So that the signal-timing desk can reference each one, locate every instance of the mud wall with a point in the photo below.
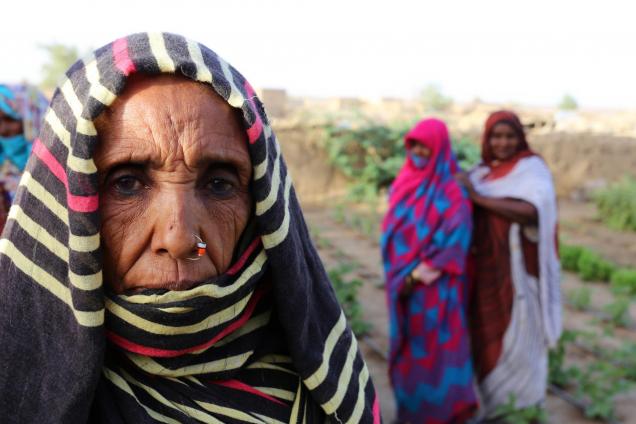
(580, 163)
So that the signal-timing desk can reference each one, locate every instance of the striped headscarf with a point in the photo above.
(264, 342)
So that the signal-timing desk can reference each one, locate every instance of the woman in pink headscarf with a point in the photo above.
(426, 234)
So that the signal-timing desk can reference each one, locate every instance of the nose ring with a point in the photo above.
(201, 247)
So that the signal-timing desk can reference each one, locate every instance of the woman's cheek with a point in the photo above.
(224, 224)
(121, 221)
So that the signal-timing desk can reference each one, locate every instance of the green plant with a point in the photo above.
(372, 155)
(433, 99)
(558, 374)
(570, 256)
(568, 103)
(509, 413)
(467, 152)
(617, 204)
(592, 267)
(618, 311)
(347, 293)
(580, 298)
(623, 281)
(60, 58)
(597, 385)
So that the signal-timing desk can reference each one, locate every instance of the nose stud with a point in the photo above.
(201, 248)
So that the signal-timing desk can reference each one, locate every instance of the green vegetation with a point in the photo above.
(61, 57)
(592, 267)
(595, 383)
(580, 298)
(434, 100)
(347, 293)
(623, 281)
(373, 154)
(617, 204)
(510, 414)
(568, 103)
(570, 257)
(618, 312)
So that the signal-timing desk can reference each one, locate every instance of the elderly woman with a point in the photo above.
(515, 309)
(426, 234)
(156, 266)
(21, 110)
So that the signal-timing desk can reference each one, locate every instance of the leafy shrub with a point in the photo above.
(618, 311)
(617, 204)
(468, 153)
(347, 293)
(580, 298)
(570, 257)
(592, 267)
(597, 385)
(623, 281)
(369, 155)
(372, 155)
(558, 374)
(510, 414)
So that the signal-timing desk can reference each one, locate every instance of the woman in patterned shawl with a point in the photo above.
(426, 234)
(515, 307)
(21, 110)
(156, 266)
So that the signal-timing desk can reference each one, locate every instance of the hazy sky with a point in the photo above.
(529, 52)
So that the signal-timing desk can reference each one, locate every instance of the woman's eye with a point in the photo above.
(128, 185)
(220, 187)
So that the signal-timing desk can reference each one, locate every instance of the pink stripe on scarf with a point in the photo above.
(256, 129)
(239, 264)
(167, 353)
(376, 411)
(76, 203)
(122, 60)
(238, 385)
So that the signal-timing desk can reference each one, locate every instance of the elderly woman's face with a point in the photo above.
(173, 165)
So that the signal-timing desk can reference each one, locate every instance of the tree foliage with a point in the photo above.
(568, 103)
(60, 58)
(434, 100)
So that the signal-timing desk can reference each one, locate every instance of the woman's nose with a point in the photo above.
(176, 229)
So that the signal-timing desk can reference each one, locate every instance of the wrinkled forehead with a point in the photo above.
(169, 93)
(168, 113)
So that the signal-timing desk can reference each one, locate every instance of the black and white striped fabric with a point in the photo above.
(266, 342)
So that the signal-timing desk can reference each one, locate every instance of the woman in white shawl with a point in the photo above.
(515, 305)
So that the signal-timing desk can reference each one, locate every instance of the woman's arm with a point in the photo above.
(515, 210)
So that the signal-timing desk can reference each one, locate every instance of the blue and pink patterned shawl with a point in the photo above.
(429, 218)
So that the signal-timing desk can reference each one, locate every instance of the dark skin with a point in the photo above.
(505, 143)
(418, 149)
(173, 164)
(9, 127)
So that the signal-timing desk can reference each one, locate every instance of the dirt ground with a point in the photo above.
(337, 243)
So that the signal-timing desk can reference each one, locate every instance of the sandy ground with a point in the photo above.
(337, 243)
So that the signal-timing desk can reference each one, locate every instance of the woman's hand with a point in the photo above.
(463, 179)
(425, 274)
